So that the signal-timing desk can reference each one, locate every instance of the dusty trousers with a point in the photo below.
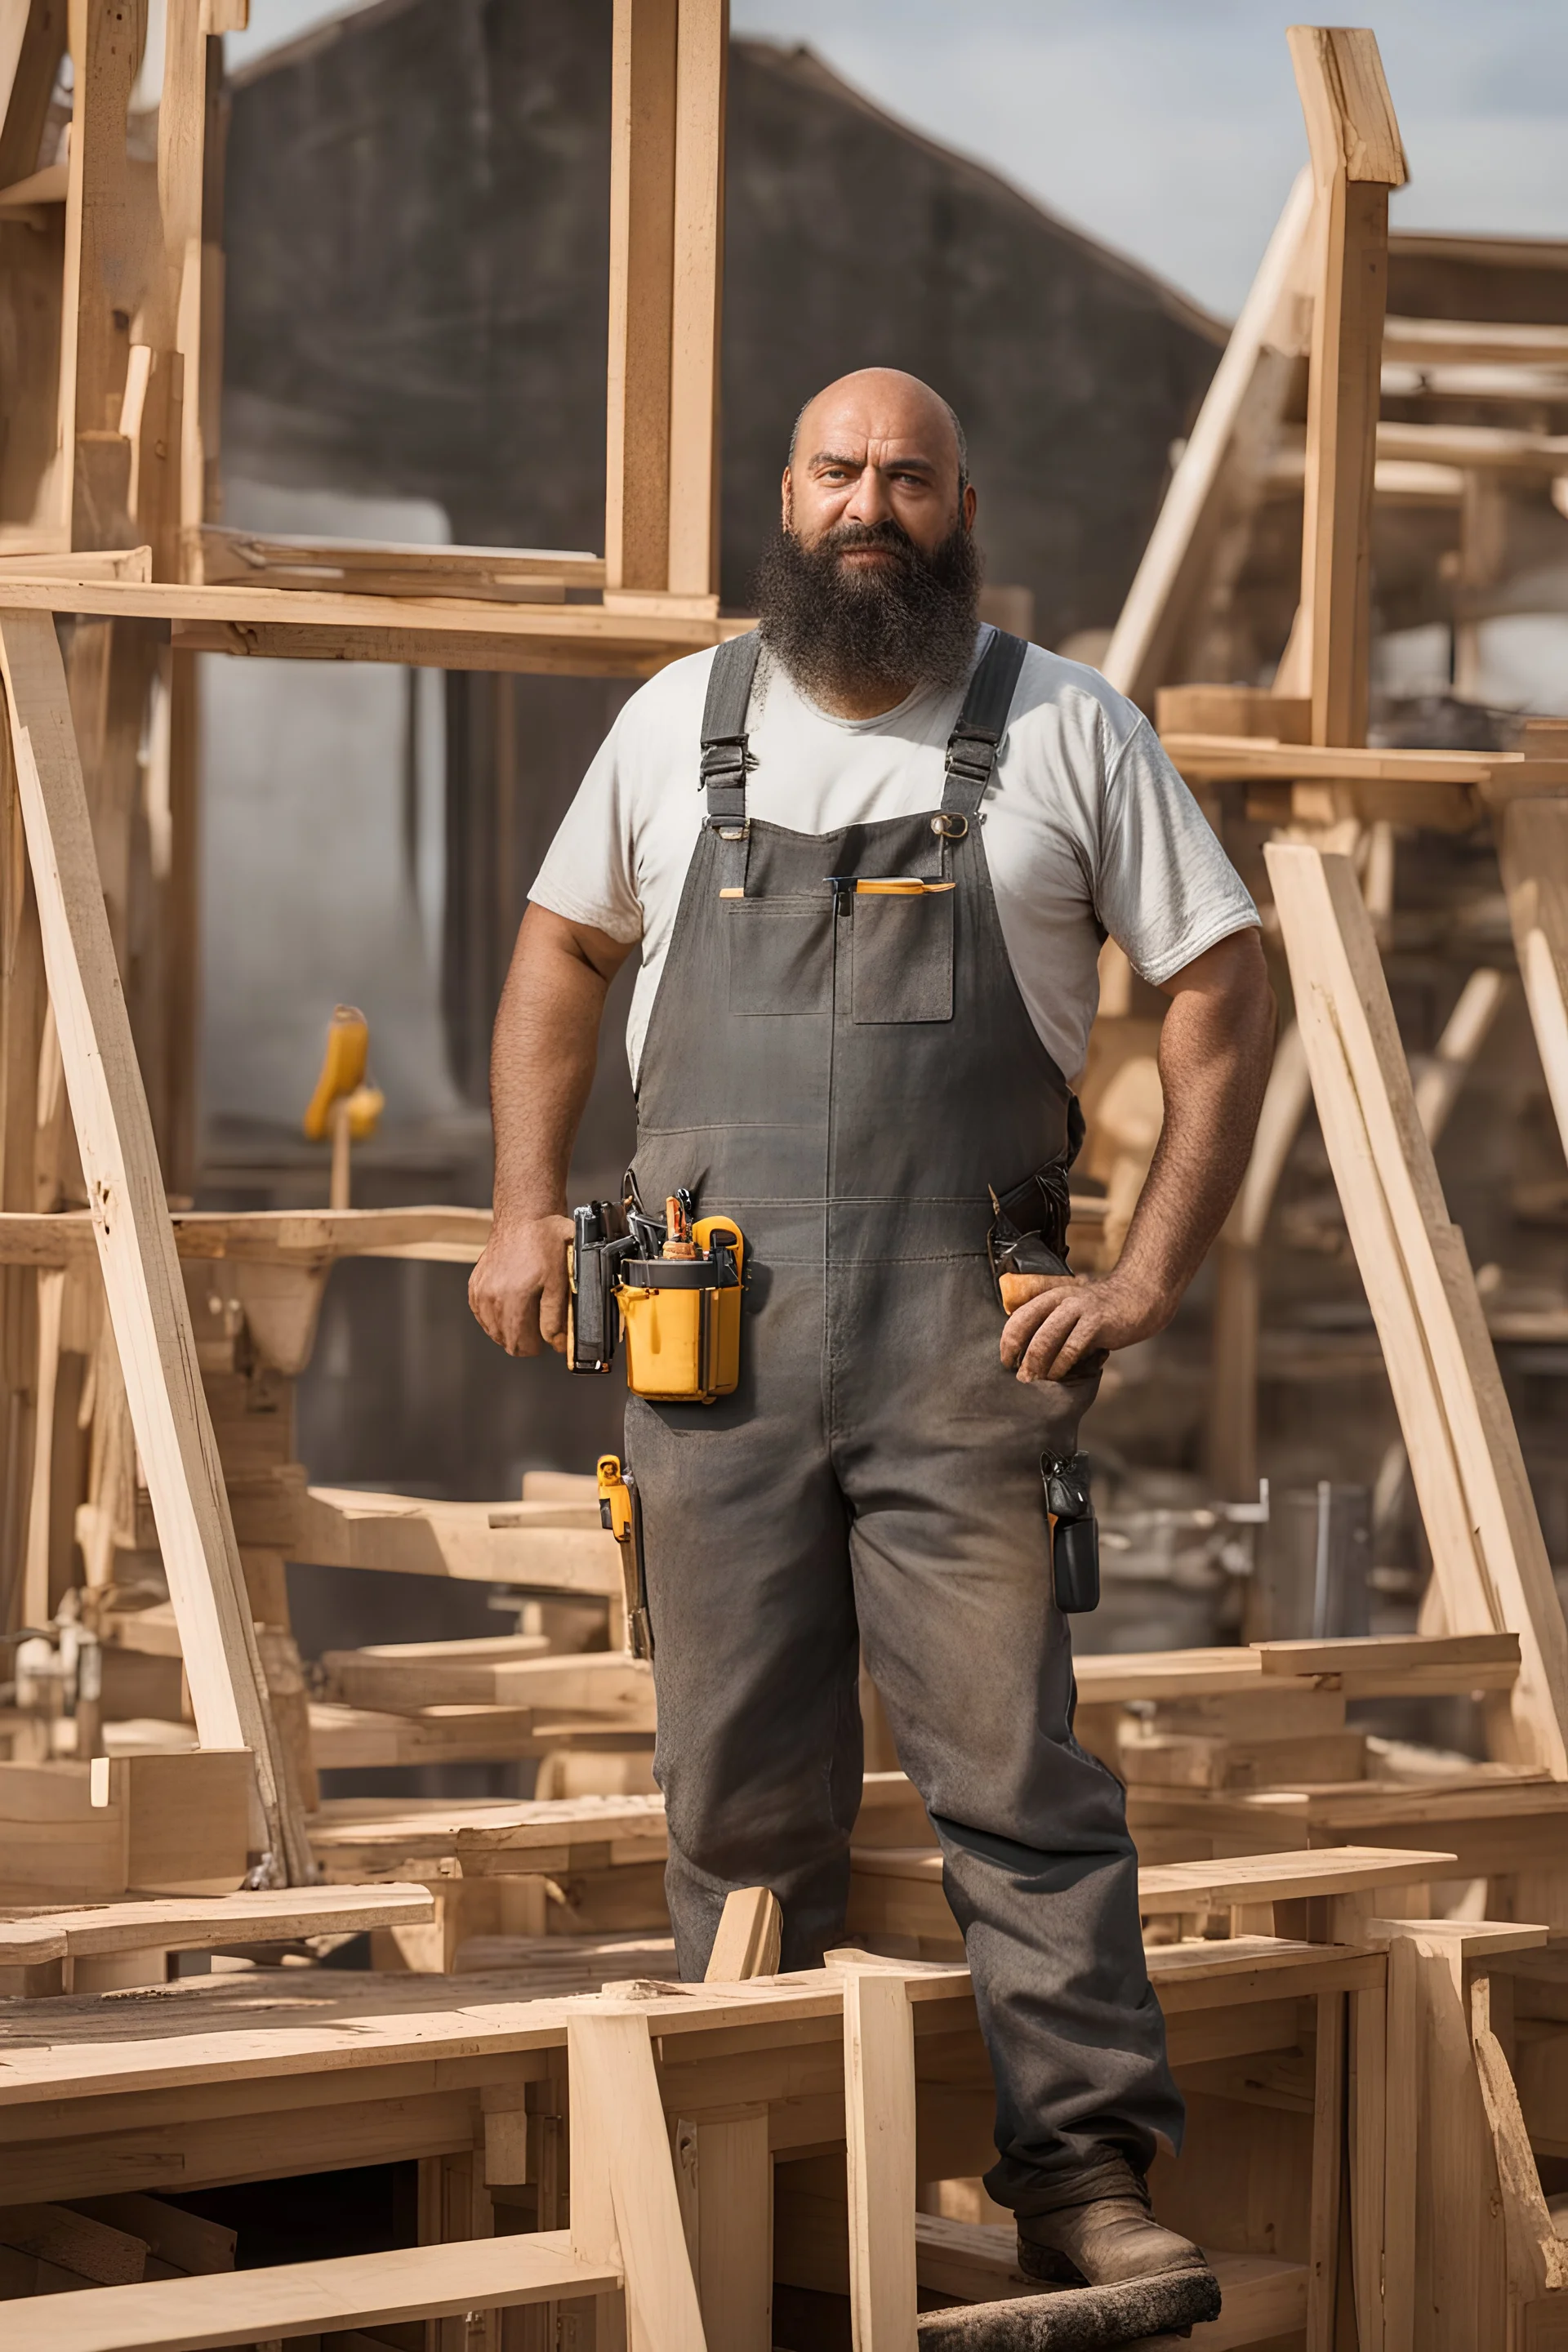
(848, 1073)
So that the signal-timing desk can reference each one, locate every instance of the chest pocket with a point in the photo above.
(781, 953)
(902, 955)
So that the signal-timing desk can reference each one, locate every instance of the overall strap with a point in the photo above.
(724, 731)
(972, 746)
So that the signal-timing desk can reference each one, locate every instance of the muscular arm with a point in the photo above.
(542, 1066)
(1215, 1047)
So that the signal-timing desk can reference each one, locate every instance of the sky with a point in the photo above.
(1169, 128)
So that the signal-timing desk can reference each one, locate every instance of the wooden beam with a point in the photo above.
(1356, 159)
(643, 139)
(697, 295)
(31, 47)
(1241, 403)
(105, 274)
(136, 1247)
(1488, 1553)
(355, 2292)
(624, 2209)
(750, 1934)
(879, 2125)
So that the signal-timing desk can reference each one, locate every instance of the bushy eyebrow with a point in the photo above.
(895, 465)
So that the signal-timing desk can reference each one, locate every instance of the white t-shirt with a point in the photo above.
(1089, 828)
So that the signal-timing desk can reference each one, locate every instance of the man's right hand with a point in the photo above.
(517, 1289)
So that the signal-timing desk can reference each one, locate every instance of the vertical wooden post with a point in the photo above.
(181, 926)
(102, 275)
(725, 2175)
(697, 304)
(136, 1244)
(625, 2208)
(643, 109)
(880, 2127)
(1356, 159)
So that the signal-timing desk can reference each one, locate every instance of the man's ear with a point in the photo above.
(787, 501)
(970, 503)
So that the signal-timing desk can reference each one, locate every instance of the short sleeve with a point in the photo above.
(588, 874)
(1164, 889)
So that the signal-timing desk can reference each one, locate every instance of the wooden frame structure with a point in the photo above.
(107, 516)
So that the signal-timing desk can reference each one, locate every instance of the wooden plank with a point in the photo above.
(725, 2175)
(349, 1739)
(35, 42)
(141, 1278)
(102, 264)
(702, 47)
(1247, 388)
(645, 627)
(1328, 2126)
(310, 1238)
(880, 2123)
(600, 1683)
(36, 1608)
(545, 1548)
(1533, 851)
(192, 1924)
(619, 2145)
(382, 2289)
(1367, 2096)
(750, 1934)
(1379, 1664)
(1487, 1546)
(643, 138)
(1356, 160)
(219, 554)
(1450, 342)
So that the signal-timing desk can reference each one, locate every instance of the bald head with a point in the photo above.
(875, 446)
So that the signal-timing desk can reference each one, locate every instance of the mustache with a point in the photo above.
(888, 535)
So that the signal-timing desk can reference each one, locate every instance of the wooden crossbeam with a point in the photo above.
(350, 2291)
(1488, 1557)
(141, 1276)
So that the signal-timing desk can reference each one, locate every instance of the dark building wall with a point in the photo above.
(417, 228)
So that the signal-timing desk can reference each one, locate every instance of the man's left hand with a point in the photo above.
(1073, 1314)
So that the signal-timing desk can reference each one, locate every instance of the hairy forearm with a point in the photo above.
(541, 1067)
(1216, 1045)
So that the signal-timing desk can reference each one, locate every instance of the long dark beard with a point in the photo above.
(911, 623)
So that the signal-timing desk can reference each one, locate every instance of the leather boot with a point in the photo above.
(1095, 2227)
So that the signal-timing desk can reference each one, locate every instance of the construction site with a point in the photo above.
(377, 415)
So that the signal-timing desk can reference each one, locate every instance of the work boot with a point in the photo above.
(1097, 2229)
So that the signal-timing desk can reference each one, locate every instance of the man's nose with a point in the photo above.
(869, 501)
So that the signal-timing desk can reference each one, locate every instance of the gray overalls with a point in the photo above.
(846, 1074)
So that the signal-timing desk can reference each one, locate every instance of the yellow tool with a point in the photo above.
(620, 1510)
(680, 1313)
(343, 1106)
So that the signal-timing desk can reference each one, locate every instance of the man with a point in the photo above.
(853, 1076)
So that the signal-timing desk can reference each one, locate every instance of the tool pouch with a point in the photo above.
(681, 1318)
(1075, 1533)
